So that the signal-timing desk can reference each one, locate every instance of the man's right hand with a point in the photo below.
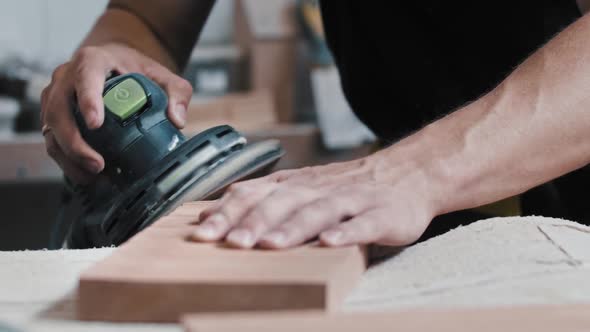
(84, 76)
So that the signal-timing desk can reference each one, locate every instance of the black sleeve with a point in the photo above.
(176, 24)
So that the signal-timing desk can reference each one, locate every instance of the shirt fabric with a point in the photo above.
(404, 64)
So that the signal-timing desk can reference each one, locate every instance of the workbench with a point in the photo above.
(495, 262)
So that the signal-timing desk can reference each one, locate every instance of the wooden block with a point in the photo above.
(159, 275)
(509, 319)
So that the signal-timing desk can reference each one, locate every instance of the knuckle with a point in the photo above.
(408, 235)
(183, 86)
(281, 176)
(359, 232)
(73, 148)
(282, 195)
(308, 214)
(151, 69)
(330, 204)
(88, 56)
(237, 189)
(85, 102)
(284, 191)
(44, 97)
(303, 175)
(51, 148)
(242, 190)
(86, 52)
(397, 234)
(261, 214)
(44, 93)
(49, 115)
(373, 229)
(58, 72)
(81, 70)
(71, 152)
(306, 170)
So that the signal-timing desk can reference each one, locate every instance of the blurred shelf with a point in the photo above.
(23, 157)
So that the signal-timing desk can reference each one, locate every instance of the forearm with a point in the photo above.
(533, 127)
(164, 31)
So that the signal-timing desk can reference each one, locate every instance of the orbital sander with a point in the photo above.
(150, 167)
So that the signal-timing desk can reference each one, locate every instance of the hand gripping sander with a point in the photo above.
(150, 167)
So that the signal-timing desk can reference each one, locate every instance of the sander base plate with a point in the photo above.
(199, 169)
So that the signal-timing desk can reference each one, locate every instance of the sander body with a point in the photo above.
(150, 166)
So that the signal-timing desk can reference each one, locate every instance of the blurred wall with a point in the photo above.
(47, 31)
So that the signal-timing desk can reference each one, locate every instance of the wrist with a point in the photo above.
(448, 158)
(410, 166)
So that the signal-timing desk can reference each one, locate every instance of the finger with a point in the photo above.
(59, 117)
(44, 94)
(179, 92)
(75, 173)
(237, 201)
(269, 213)
(283, 175)
(246, 189)
(91, 72)
(250, 188)
(312, 219)
(365, 228)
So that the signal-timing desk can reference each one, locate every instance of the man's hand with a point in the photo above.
(84, 77)
(530, 129)
(362, 201)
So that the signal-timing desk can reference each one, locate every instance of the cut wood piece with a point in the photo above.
(514, 319)
(159, 274)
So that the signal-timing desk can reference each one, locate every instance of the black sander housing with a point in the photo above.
(150, 166)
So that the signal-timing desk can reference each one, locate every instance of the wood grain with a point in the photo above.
(564, 318)
(160, 274)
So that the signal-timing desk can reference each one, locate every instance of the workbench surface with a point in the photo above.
(501, 261)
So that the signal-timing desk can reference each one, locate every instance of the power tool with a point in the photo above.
(150, 167)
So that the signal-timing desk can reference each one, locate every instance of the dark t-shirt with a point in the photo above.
(404, 64)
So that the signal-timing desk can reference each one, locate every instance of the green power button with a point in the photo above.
(125, 98)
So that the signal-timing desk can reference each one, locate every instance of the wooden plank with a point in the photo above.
(160, 274)
(509, 319)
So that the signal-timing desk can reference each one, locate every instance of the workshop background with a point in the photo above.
(260, 66)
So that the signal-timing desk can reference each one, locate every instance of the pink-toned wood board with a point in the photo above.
(566, 318)
(160, 274)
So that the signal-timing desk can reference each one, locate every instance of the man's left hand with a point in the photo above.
(356, 202)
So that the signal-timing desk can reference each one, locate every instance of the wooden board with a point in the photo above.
(517, 319)
(160, 274)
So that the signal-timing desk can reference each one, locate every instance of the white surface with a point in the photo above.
(37, 287)
(501, 261)
(270, 19)
(48, 31)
